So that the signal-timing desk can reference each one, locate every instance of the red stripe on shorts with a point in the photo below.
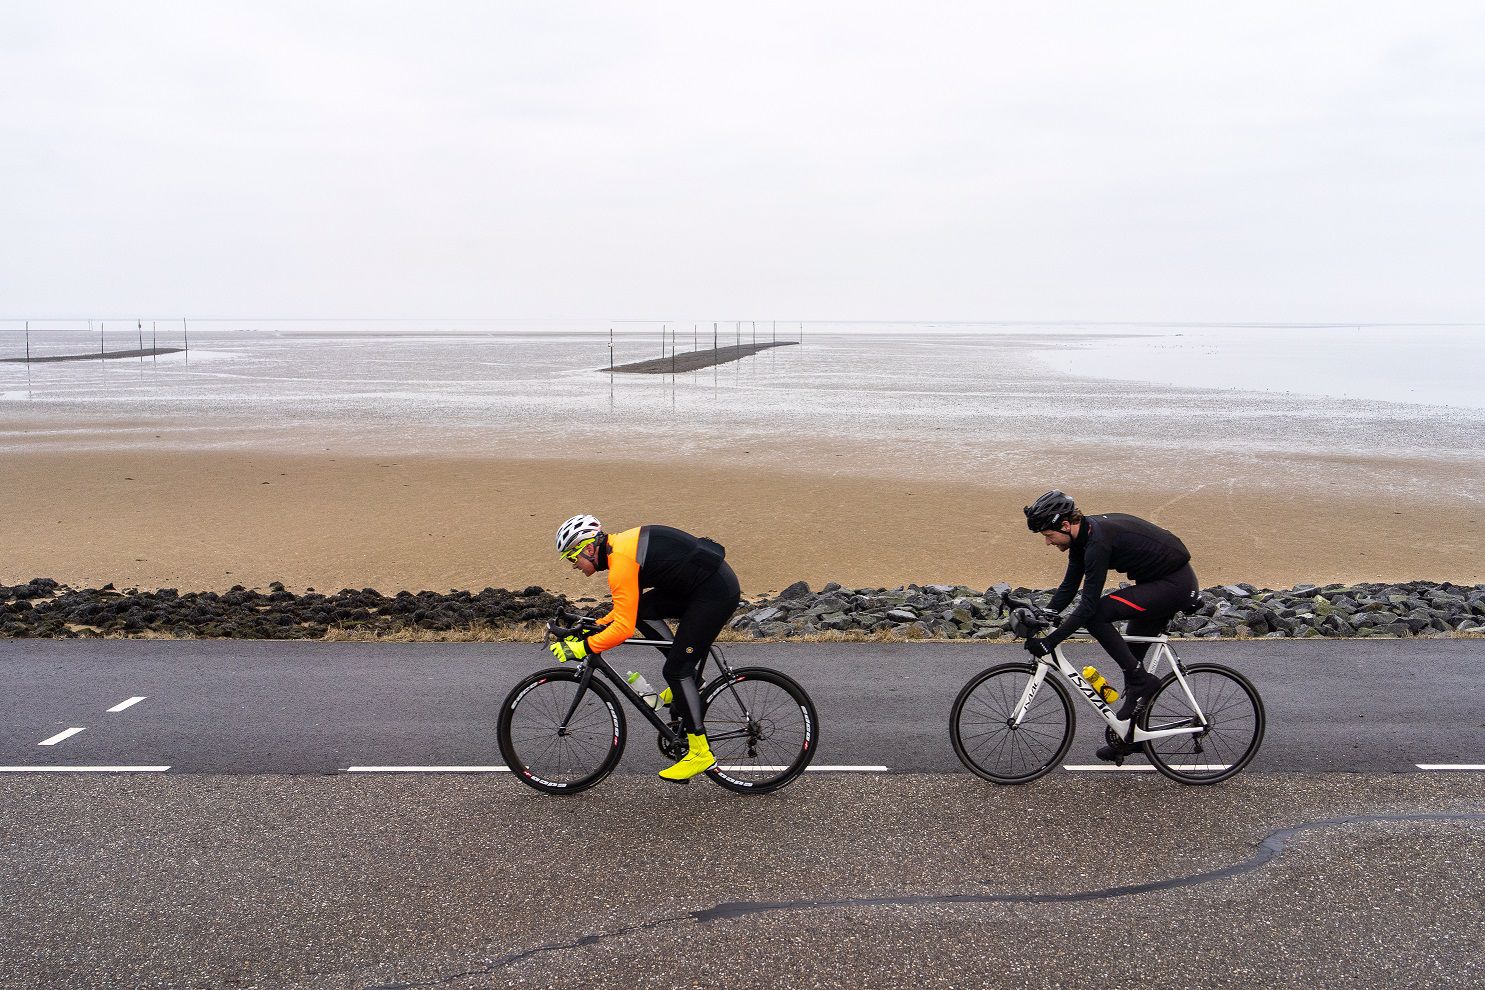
(1126, 601)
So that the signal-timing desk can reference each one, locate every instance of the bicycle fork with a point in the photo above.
(1032, 686)
(577, 698)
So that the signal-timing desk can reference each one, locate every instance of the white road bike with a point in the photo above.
(1014, 722)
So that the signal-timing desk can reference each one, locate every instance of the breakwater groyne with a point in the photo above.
(95, 356)
(695, 360)
(44, 608)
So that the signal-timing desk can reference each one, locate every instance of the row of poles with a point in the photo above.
(668, 329)
(139, 326)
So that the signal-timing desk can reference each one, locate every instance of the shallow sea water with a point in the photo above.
(946, 401)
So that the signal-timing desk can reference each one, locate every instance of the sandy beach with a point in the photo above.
(874, 459)
(209, 520)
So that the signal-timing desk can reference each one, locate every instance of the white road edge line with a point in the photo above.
(427, 770)
(125, 704)
(1145, 766)
(1450, 766)
(83, 769)
(497, 769)
(814, 769)
(64, 734)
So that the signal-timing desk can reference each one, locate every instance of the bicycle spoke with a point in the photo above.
(1233, 726)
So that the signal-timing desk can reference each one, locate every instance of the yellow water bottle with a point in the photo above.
(1102, 686)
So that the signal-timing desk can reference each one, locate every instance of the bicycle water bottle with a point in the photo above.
(642, 688)
(1101, 685)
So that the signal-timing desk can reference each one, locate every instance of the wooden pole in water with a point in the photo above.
(672, 352)
(611, 350)
(100, 340)
(737, 327)
(154, 339)
(695, 338)
(186, 331)
(714, 341)
(755, 333)
(775, 331)
(28, 341)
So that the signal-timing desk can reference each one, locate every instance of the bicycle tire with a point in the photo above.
(540, 746)
(1226, 698)
(777, 703)
(983, 709)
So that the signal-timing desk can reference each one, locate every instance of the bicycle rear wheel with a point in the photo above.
(762, 728)
(1234, 717)
(573, 760)
(986, 741)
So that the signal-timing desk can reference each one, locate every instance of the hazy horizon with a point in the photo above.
(1078, 162)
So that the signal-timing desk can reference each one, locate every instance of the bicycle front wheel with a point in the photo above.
(547, 757)
(985, 738)
(1234, 721)
(762, 728)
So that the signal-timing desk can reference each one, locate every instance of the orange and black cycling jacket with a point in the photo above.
(673, 561)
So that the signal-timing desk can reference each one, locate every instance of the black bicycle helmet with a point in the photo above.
(1048, 511)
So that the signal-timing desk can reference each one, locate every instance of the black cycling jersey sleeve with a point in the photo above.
(1095, 572)
(1070, 580)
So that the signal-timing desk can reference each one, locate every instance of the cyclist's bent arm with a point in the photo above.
(1095, 573)
(618, 624)
(1069, 585)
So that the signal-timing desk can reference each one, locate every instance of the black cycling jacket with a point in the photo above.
(1124, 543)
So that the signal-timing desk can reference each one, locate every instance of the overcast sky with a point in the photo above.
(687, 160)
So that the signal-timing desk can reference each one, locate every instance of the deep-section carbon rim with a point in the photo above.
(986, 742)
(560, 763)
(762, 728)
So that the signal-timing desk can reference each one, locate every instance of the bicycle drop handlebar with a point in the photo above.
(569, 622)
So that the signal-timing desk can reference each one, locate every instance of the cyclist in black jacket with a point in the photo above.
(1156, 559)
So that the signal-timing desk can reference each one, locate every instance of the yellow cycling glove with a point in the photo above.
(571, 648)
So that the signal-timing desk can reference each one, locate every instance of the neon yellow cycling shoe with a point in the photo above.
(698, 759)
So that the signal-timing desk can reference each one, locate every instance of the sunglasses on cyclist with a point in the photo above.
(571, 556)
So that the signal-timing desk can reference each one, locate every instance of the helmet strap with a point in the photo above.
(600, 556)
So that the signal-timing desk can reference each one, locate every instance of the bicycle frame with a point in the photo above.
(595, 662)
(1121, 726)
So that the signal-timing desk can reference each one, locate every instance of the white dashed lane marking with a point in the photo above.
(427, 769)
(83, 769)
(125, 704)
(1450, 766)
(809, 769)
(1144, 766)
(64, 734)
(499, 769)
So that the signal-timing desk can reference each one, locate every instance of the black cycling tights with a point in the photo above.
(1148, 606)
(701, 615)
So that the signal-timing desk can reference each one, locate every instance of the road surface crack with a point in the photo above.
(1269, 848)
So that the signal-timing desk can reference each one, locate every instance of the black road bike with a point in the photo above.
(562, 729)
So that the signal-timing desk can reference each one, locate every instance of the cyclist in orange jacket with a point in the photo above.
(657, 572)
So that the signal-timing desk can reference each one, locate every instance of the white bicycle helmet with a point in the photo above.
(575, 531)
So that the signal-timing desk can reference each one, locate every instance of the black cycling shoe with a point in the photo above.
(1139, 687)
(1111, 754)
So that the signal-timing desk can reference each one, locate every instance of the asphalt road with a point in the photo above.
(314, 708)
(256, 862)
